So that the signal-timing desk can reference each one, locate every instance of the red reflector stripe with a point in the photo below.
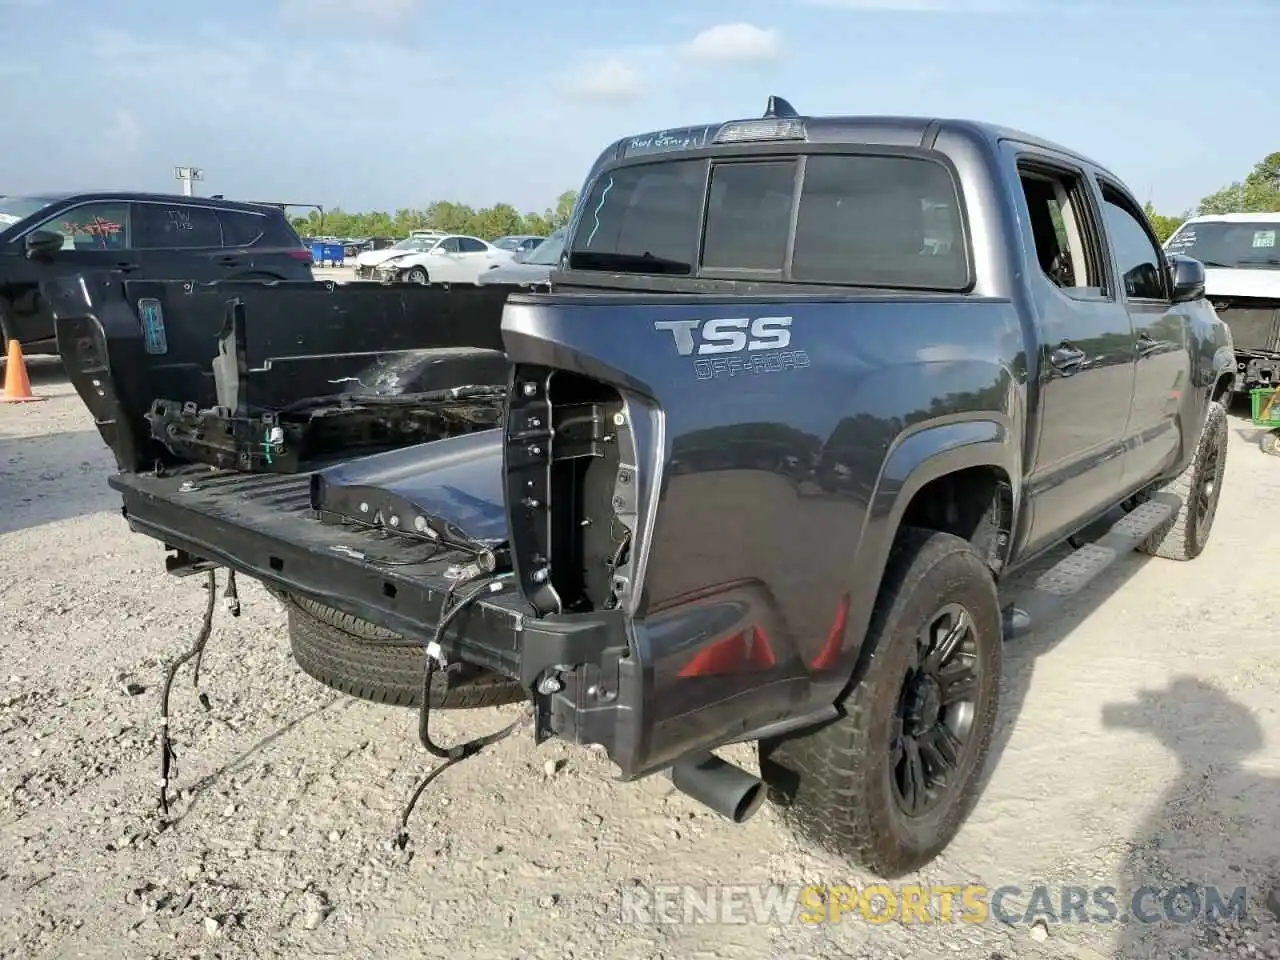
(829, 655)
(737, 653)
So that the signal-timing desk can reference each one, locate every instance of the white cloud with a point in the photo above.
(735, 43)
(236, 67)
(609, 80)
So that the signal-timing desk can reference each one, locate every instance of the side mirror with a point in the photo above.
(43, 244)
(1186, 278)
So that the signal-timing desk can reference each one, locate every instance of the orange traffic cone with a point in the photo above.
(17, 385)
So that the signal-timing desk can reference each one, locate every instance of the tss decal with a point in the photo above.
(728, 334)
(763, 340)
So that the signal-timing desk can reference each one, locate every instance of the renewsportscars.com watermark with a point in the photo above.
(916, 903)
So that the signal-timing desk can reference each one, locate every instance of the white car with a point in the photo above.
(456, 258)
(1241, 255)
(418, 241)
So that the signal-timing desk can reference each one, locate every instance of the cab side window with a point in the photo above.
(1136, 253)
(93, 226)
(1065, 246)
(165, 226)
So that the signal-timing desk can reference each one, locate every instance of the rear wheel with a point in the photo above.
(372, 663)
(1199, 486)
(889, 784)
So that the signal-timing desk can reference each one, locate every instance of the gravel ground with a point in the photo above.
(1138, 746)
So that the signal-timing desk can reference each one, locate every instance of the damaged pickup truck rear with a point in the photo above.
(802, 393)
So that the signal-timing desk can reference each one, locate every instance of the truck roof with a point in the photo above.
(887, 130)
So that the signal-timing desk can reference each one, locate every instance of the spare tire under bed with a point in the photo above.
(361, 659)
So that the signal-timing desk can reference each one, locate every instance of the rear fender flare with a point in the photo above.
(915, 460)
(919, 458)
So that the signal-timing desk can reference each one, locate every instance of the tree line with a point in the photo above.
(488, 223)
(1258, 192)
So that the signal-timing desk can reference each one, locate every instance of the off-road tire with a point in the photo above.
(834, 785)
(364, 660)
(1183, 537)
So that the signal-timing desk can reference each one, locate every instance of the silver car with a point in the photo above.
(534, 270)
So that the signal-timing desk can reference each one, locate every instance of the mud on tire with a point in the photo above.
(1199, 486)
(372, 663)
(842, 785)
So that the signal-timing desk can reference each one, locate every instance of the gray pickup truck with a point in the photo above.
(803, 391)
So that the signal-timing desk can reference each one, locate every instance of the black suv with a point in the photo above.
(146, 235)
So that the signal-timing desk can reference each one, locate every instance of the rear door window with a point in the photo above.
(172, 226)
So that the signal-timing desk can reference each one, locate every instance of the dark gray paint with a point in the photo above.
(771, 499)
(901, 389)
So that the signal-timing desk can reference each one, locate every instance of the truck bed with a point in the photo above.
(263, 526)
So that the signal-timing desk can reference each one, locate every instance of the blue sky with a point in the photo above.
(394, 103)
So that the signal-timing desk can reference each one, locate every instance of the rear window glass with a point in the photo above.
(749, 216)
(277, 231)
(890, 221)
(240, 229)
(643, 219)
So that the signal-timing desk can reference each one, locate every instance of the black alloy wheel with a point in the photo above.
(936, 705)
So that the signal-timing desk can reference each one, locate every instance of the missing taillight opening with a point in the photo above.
(586, 536)
(570, 483)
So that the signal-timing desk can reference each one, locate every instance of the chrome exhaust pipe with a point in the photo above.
(728, 790)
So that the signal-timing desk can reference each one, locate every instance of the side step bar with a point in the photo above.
(1073, 573)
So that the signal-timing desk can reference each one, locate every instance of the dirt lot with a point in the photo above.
(1139, 746)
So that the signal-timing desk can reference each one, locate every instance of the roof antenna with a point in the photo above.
(779, 108)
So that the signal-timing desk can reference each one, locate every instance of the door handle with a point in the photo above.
(230, 261)
(127, 267)
(1066, 358)
(1147, 346)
